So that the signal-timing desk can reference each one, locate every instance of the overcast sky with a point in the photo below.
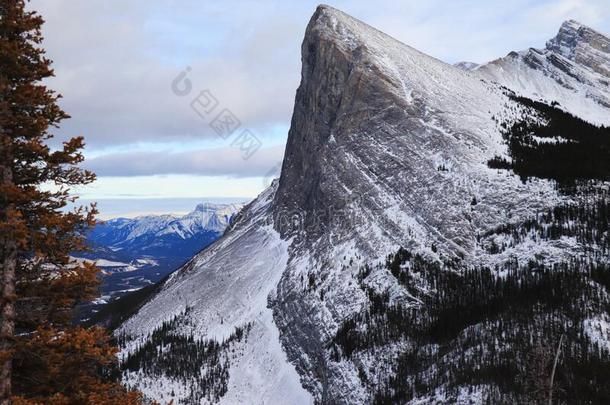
(115, 62)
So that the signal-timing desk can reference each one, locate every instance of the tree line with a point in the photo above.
(202, 365)
(547, 142)
(481, 327)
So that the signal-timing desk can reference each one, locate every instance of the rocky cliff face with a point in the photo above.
(369, 271)
(573, 69)
(582, 45)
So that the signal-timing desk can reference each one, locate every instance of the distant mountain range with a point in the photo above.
(137, 252)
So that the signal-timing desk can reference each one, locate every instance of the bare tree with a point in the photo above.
(540, 373)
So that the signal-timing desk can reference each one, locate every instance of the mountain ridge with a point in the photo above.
(573, 70)
(385, 192)
(136, 252)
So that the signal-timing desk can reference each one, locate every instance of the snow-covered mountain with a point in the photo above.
(125, 233)
(431, 229)
(137, 252)
(573, 69)
(466, 65)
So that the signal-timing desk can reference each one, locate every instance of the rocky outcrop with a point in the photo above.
(572, 70)
(582, 45)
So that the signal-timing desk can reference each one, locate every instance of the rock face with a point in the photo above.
(573, 69)
(388, 154)
(582, 45)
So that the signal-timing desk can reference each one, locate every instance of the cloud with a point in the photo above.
(115, 60)
(206, 162)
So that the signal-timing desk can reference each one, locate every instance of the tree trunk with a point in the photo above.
(7, 293)
(7, 320)
(554, 368)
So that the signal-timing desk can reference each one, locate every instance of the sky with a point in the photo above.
(192, 99)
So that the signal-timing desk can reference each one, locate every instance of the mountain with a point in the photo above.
(573, 69)
(433, 234)
(466, 65)
(162, 234)
(137, 252)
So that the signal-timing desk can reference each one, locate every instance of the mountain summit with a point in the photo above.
(417, 247)
(573, 70)
(579, 43)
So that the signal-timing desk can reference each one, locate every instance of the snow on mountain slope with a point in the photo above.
(399, 137)
(401, 143)
(573, 70)
(227, 286)
(149, 247)
(387, 148)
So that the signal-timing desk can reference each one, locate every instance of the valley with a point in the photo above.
(134, 253)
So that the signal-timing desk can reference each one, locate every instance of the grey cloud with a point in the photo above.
(115, 60)
(115, 65)
(207, 162)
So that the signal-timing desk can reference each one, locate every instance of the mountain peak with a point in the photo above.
(465, 65)
(331, 24)
(573, 36)
(328, 11)
(346, 32)
(207, 206)
(573, 24)
(325, 8)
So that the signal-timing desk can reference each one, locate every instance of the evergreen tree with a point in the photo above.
(43, 358)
